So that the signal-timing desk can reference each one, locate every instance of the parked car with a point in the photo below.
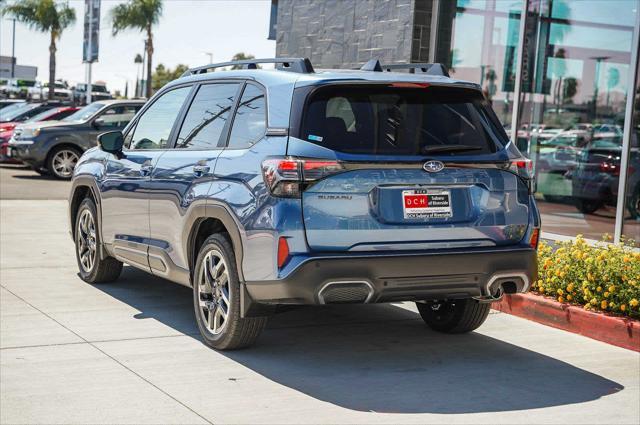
(261, 188)
(10, 102)
(21, 112)
(98, 92)
(15, 88)
(55, 147)
(597, 174)
(6, 129)
(61, 91)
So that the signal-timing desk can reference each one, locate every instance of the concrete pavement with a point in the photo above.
(129, 352)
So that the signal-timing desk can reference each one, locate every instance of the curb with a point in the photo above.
(620, 331)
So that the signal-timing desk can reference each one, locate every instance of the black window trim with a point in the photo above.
(235, 109)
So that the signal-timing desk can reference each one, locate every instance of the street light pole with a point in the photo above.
(89, 51)
(13, 50)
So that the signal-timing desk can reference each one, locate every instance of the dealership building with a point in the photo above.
(566, 77)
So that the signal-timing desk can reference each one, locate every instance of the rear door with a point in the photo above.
(182, 177)
(423, 167)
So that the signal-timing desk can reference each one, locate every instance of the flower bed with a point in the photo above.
(604, 278)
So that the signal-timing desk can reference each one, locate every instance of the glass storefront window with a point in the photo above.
(483, 39)
(631, 223)
(574, 88)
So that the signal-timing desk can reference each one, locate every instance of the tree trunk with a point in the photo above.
(149, 66)
(52, 65)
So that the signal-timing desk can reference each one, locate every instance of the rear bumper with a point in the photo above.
(384, 278)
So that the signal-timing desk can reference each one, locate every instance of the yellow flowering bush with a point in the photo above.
(605, 278)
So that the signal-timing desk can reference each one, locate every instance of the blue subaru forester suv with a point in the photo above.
(260, 188)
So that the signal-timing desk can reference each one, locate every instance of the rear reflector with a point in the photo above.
(283, 252)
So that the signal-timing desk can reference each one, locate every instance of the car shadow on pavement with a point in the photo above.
(34, 176)
(382, 358)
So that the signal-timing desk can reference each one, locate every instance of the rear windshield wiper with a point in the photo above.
(449, 148)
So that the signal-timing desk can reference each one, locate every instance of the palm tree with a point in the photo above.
(44, 16)
(138, 61)
(141, 15)
(240, 56)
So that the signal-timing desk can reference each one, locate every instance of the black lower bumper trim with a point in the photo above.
(442, 275)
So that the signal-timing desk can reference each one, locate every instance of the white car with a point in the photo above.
(61, 91)
(15, 88)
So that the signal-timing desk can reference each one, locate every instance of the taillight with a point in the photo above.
(610, 168)
(287, 177)
(522, 167)
(283, 252)
(534, 238)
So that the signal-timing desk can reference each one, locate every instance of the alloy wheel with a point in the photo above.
(63, 163)
(86, 240)
(214, 292)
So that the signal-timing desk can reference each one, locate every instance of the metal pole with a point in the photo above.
(433, 36)
(89, 51)
(13, 51)
(626, 135)
(515, 115)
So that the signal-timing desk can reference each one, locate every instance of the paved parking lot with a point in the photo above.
(129, 352)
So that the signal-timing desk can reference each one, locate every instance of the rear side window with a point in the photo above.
(207, 116)
(399, 119)
(250, 121)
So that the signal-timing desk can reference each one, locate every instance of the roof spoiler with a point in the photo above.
(426, 68)
(299, 65)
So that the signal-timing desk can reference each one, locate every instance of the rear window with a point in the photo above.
(402, 119)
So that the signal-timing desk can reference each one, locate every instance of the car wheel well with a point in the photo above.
(201, 231)
(79, 194)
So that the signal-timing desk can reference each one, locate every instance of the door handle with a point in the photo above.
(201, 168)
(145, 169)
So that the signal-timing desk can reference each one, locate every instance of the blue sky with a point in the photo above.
(187, 29)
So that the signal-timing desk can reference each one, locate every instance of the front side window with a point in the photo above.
(204, 124)
(250, 121)
(403, 120)
(154, 126)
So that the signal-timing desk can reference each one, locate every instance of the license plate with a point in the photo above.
(426, 203)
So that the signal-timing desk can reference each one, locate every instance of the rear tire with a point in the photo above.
(588, 206)
(92, 268)
(634, 205)
(456, 316)
(216, 298)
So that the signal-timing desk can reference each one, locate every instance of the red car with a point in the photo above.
(6, 128)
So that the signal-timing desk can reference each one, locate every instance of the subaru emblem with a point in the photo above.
(433, 166)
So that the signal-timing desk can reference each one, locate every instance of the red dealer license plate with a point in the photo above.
(426, 203)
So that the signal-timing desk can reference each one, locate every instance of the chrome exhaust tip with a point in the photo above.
(339, 292)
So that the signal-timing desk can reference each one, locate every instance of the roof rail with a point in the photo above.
(299, 65)
(427, 68)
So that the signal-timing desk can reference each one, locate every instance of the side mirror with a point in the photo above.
(99, 122)
(111, 142)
